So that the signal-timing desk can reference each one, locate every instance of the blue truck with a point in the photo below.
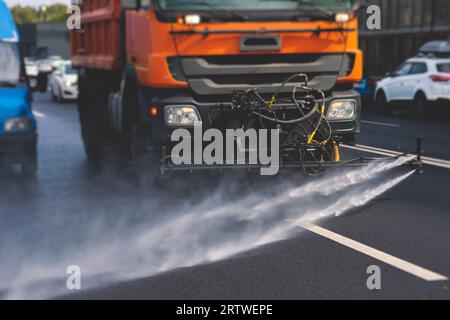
(18, 135)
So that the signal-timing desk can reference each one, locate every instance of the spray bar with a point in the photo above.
(415, 164)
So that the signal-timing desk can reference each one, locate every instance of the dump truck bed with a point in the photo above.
(98, 44)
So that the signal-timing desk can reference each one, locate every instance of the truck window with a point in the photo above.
(9, 64)
(444, 67)
(177, 5)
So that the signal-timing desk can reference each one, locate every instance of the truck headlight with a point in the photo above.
(342, 110)
(342, 17)
(181, 115)
(18, 124)
(67, 83)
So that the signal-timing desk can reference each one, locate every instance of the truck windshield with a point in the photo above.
(69, 70)
(9, 64)
(179, 5)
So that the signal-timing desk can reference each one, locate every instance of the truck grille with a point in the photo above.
(208, 75)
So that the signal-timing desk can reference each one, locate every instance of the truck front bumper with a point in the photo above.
(17, 148)
(160, 131)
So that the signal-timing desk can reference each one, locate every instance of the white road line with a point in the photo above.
(427, 160)
(38, 114)
(376, 254)
(381, 123)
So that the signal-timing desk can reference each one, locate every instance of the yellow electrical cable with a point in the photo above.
(272, 101)
(337, 155)
(311, 137)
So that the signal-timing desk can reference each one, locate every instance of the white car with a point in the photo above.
(418, 81)
(55, 61)
(31, 69)
(45, 66)
(64, 82)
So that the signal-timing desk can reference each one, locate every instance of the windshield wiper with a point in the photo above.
(311, 11)
(219, 14)
(314, 5)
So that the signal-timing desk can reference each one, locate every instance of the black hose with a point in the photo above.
(294, 121)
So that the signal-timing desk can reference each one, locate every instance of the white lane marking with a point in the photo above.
(38, 114)
(381, 123)
(376, 254)
(427, 160)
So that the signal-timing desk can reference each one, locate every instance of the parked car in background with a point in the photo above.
(436, 49)
(45, 66)
(55, 61)
(32, 71)
(419, 81)
(31, 68)
(64, 82)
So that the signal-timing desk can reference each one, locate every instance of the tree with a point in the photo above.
(24, 14)
(52, 13)
(56, 13)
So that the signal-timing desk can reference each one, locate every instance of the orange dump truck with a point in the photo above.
(149, 67)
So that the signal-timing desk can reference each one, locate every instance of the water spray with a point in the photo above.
(212, 230)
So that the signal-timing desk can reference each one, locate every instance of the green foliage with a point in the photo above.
(24, 14)
(51, 13)
(57, 13)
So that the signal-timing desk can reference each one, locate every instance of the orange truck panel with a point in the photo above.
(149, 42)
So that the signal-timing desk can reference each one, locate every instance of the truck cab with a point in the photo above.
(18, 137)
(185, 60)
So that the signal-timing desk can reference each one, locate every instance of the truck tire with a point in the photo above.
(143, 159)
(91, 117)
(131, 120)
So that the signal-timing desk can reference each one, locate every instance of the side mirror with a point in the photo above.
(42, 82)
(130, 4)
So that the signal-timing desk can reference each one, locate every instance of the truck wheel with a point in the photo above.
(142, 159)
(381, 104)
(136, 152)
(30, 165)
(136, 143)
(90, 118)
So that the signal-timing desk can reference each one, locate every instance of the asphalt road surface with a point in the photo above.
(70, 215)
